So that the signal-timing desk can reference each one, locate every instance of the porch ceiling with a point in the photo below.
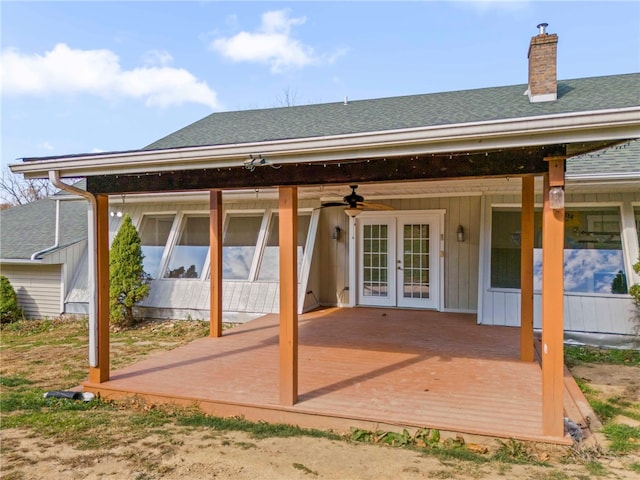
(360, 367)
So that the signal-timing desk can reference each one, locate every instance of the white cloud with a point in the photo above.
(271, 44)
(47, 146)
(157, 58)
(98, 72)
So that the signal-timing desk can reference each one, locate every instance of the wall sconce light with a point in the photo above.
(556, 198)
(335, 235)
(460, 233)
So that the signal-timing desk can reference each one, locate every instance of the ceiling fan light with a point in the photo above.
(352, 212)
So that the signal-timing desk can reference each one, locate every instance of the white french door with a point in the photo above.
(398, 259)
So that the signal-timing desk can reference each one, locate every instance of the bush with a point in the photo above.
(634, 291)
(10, 311)
(128, 283)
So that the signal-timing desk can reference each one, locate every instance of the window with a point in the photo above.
(154, 232)
(269, 267)
(239, 246)
(505, 249)
(593, 260)
(190, 252)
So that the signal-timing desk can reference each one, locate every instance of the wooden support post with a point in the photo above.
(100, 373)
(526, 270)
(552, 309)
(288, 232)
(215, 255)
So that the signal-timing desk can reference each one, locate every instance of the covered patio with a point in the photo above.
(359, 367)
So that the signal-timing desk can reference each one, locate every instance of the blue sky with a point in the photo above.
(103, 76)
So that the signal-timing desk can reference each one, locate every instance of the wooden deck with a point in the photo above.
(363, 367)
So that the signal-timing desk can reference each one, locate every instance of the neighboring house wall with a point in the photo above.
(603, 311)
(38, 287)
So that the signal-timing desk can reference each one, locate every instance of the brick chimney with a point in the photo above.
(543, 86)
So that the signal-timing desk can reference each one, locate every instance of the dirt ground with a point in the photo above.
(179, 452)
(183, 453)
(199, 454)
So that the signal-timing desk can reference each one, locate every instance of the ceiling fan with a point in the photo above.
(356, 202)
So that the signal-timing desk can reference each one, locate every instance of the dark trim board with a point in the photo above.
(513, 162)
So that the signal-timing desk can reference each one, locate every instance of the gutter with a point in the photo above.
(54, 178)
(57, 235)
(613, 124)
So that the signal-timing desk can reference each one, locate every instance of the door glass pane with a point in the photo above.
(154, 233)
(189, 254)
(375, 260)
(269, 267)
(415, 260)
(239, 246)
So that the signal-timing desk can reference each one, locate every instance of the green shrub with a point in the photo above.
(634, 291)
(128, 283)
(10, 311)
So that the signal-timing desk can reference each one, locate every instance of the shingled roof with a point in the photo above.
(394, 113)
(29, 228)
(618, 160)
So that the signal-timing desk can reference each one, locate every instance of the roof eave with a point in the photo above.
(612, 124)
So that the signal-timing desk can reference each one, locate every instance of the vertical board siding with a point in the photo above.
(603, 314)
(461, 258)
(38, 288)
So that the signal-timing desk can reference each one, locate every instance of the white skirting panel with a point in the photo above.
(582, 313)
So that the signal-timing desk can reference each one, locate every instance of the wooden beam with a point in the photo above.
(215, 255)
(101, 373)
(288, 232)
(552, 317)
(516, 162)
(556, 171)
(526, 269)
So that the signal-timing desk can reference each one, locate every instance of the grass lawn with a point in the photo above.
(39, 356)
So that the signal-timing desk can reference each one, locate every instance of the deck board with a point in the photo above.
(357, 367)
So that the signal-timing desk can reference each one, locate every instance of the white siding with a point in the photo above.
(38, 288)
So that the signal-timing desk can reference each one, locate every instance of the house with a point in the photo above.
(42, 245)
(454, 202)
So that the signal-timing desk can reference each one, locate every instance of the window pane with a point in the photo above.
(154, 233)
(593, 260)
(375, 279)
(189, 254)
(269, 267)
(505, 249)
(239, 246)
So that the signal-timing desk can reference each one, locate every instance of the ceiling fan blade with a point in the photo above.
(333, 204)
(375, 206)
